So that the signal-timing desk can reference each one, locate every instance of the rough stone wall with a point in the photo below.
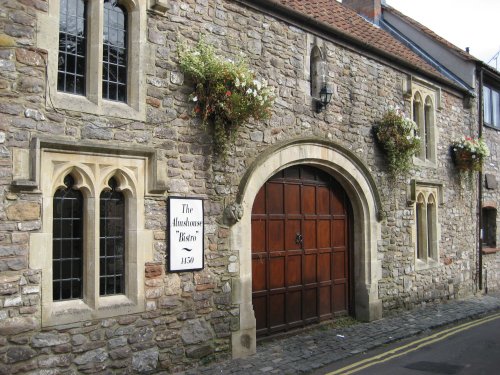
(401, 284)
(491, 198)
(190, 316)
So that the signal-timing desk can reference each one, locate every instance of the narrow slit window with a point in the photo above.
(431, 225)
(489, 226)
(67, 242)
(421, 229)
(419, 120)
(114, 69)
(428, 124)
(112, 241)
(71, 65)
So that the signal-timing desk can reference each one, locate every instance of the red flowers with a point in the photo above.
(228, 93)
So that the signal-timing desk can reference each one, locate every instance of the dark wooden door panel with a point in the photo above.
(294, 307)
(300, 259)
(325, 267)
(309, 233)
(292, 199)
(277, 272)
(274, 198)
(325, 301)
(276, 310)
(260, 310)
(276, 237)
(292, 228)
(259, 273)
(258, 236)
(294, 270)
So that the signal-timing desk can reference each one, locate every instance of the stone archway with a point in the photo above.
(356, 180)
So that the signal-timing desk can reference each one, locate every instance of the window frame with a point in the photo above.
(426, 233)
(91, 178)
(63, 196)
(109, 196)
(63, 53)
(92, 102)
(489, 229)
(488, 102)
(423, 112)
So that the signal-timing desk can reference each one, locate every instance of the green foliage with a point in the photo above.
(398, 136)
(226, 92)
(469, 153)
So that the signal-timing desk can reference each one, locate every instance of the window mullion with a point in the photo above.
(91, 270)
(95, 51)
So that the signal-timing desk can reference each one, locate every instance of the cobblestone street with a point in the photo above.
(316, 348)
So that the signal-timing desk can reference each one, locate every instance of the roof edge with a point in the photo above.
(430, 33)
(291, 15)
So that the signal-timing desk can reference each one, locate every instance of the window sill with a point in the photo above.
(65, 101)
(427, 163)
(490, 250)
(493, 127)
(426, 264)
(73, 311)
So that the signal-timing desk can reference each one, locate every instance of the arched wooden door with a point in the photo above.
(300, 248)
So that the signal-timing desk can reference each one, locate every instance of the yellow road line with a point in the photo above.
(360, 365)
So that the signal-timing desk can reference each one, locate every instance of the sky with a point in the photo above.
(465, 23)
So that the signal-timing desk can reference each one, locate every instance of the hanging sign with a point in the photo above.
(186, 234)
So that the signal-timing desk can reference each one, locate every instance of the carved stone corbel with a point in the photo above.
(233, 213)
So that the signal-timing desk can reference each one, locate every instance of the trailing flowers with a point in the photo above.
(226, 93)
(469, 153)
(399, 138)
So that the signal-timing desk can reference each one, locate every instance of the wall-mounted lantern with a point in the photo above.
(325, 97)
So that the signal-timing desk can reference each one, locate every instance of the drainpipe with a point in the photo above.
(480, 186)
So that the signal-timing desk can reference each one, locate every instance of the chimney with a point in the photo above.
(370, 9)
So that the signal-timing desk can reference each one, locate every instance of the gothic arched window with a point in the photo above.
(67, 242)
(112, 241)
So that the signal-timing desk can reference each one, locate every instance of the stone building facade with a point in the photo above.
(151, 146)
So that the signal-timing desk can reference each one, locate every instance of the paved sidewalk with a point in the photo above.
(310, 350)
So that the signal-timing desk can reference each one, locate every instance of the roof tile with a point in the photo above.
(349, 22)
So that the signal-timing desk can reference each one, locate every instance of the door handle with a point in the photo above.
(299, 239)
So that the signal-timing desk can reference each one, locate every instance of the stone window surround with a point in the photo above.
(92, 165)
(317, 71)
(426, 189)
(92, 102)
(318, 47)
(428, 97)
(490, 206)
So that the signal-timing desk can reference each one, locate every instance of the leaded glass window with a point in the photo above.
(421, 228)
(72, 47)
(67, 242)
(114, 70)
(428, 123)
(112, 241)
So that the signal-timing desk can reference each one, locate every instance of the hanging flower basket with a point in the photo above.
(469, 153)
(226, 92)
(466, 161)
(398, 137)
